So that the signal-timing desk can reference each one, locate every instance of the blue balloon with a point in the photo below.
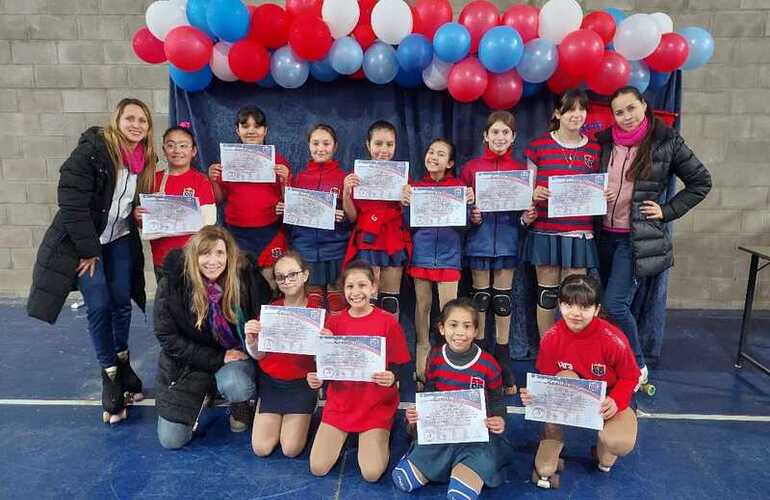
(228, 19)
(414, 52)
(380, 63)
(701, 46)
(452, 42)
(323, 71)
(500, 49)
(409, 79)
(640, 76)
(539, 62)
(197, 15)
(531, 89)
(267, 82)
(288, 71)
(617, 14)
(191, 81)
(346, 56)
(658, 80)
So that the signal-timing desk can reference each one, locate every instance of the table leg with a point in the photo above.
(747, 306)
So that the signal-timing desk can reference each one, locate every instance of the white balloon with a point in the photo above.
(163, 16)
(637, 37)
(436, 75)
(341, 16)
(220, 65)
(664, 22)
(391, 21)
(558, 18)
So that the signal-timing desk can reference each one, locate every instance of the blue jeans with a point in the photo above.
(236, 381)
(616, 260)
(107, 295)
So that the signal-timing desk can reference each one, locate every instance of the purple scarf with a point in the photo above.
(632, 138)
(220, 328)
(134, 160)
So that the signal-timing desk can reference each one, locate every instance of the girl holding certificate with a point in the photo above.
(491, 246)
(367, 408)
(250, 210)
(558, 247)
(321, 248)
(286, 402)
(201, 307)
(640, 154)
(582, 345)
(436, 257)
(93, 243)
(456, 365)
(379, 237)
(179, 179)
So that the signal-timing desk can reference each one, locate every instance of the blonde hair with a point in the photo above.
(117, 142)
(200, 243)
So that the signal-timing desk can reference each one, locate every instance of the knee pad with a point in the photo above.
(481, 298)
(458, 490)
(389, 302)
(547, 296)
(404, 477)
(501, 303)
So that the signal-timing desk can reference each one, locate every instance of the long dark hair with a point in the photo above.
(567, 103)
(580, 289)
(642, 164)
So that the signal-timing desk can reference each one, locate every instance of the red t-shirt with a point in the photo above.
(600, 352)
(362, 406)
(282, 366)
(190, 183)
(252, 204)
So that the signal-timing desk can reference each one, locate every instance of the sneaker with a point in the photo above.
(241, 416)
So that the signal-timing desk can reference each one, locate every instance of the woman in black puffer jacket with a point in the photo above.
(640, 154)
(208, 293)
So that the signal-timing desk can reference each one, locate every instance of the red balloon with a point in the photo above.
(358, 75)
(670, 54)
(467, 80)
(365, 8)
(523, 18)
(249, 60)
(429, 15)
(297, 8)
(270, 26)
(188, 48)
(560, 81)
(148, 48)
(310, 38)
(503, 90)
(580, 52)
(364, 35)
(417, 23)
(479, 17)
(614, 72)
(601, 23)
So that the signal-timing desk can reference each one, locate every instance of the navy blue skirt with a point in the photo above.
(325, 272)
(286, 397)
(380, 258)
(505, 262)
(562, 251)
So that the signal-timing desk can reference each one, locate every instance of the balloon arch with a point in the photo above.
(484, 54)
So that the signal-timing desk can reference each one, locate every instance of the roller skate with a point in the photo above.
(113, 401)
(595, 455)
(644, 385)
(503, 357)
(132, 385)
(241, 416)
(548, 464)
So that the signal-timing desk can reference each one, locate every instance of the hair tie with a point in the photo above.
(184, 124)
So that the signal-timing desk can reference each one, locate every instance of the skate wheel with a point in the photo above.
(650, 389)
(105, 416)
(545, 482)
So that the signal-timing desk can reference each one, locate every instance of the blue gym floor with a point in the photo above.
(705, 434)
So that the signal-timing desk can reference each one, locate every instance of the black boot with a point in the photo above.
(131, 383)
(113, 401)
(503, 357)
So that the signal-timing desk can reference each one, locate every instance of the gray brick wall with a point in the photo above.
(65, 63)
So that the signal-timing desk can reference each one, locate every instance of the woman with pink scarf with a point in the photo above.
(640, 154)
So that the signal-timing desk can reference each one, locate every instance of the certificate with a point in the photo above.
(438, 207)
(355, 358)
(308, 208)
(247, 162)
(503, 191)
(577, 195)
(566, 401)
(169, 215)
(451, 417)
(380, 180)
(292, 330)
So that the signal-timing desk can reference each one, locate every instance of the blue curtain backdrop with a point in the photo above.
(419, 115)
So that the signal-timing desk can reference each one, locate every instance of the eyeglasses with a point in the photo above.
(181, 146)
(283, 278)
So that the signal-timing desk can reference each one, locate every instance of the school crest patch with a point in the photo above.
(598, 369)
(477, 383)
(189, 192)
